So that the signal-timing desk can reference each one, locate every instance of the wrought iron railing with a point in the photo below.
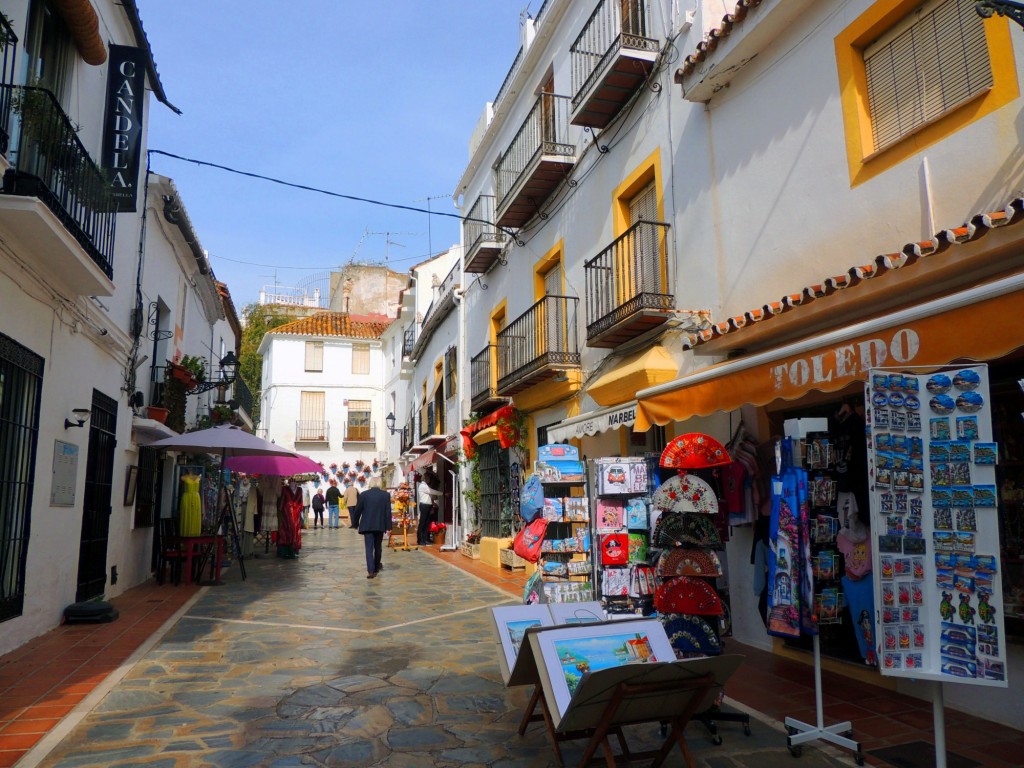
(480, 373)
(50, 163)
(543, 336)
(512, 71)
(359, 432)
(407, 441)
(475, 232)
(442, 292)
(614, 24)
(242, 396)
(8, 49)
(630, 274)
(312, 431)
(408, 342)
(545, 131)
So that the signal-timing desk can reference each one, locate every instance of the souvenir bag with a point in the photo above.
(531, 498)
(614, 549)
(528, 541)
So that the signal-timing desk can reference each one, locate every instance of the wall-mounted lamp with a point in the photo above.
(78, 418)
(228, 373)
(389, 421)
(1008, 8)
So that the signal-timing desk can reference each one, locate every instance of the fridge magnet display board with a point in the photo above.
(564, 655)
(934, 525)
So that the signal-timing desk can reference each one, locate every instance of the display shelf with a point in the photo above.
(567, 539)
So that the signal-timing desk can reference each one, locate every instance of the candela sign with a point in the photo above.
(122, 128)
(847, 361)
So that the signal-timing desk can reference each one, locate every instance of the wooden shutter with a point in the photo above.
(930, 63)
(312, 425)
(314, 355)
(360, 358)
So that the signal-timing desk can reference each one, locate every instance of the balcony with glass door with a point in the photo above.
(359, 431)
(483, 241)
(55, 199)
(611, 60)
(628, 287)
(539, 159)
(538, 345)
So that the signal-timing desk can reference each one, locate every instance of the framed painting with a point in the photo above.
(511, 623)
(577, 613)
(568, 653)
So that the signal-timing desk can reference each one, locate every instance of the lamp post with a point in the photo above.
(1009, 8)
(389, 422)
(228, 374)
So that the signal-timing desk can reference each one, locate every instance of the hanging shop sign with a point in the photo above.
(122, 127)
(934, 525)
(971, 324)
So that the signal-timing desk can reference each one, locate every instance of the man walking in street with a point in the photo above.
(351, 499)
(372, 517)
(333, 497)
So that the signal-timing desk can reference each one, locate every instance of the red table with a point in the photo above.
(200, 546)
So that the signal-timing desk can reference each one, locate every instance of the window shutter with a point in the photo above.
(314, 355)
(930, 63)
(360, 358)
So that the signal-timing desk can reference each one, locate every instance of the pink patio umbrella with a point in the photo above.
(285, 466)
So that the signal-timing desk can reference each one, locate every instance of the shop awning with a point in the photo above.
(423, 460)
(146, 431)
(635, 372)
(593, 422)
(981, 323)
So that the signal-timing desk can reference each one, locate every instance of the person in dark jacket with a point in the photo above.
(333, 498)
(372, 517)
(318, 503)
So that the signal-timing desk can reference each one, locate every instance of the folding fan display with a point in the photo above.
(694, 450)
(691, 635)
(692, 596)
(685, 529)
(688, 562)
(686, 493)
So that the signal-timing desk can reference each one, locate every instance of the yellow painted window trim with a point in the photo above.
(649, 168)
(545, 264)
(863, 161)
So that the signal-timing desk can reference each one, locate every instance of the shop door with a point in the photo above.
(96, 506)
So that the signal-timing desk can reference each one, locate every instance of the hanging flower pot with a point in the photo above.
(157, 414)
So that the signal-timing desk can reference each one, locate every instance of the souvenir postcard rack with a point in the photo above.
(565, 565)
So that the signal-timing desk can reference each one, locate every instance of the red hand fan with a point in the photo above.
(684, 594)
(694, 450)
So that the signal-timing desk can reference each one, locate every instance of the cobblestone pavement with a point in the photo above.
(307, 662)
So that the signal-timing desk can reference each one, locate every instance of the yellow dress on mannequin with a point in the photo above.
(190, 507)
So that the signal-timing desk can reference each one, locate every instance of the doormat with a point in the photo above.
(920, 754)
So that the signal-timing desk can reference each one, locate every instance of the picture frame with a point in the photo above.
(131, 484)
(510, 625)
(576, 613)
(564, 649)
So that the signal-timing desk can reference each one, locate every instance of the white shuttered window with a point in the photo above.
(930, 63)
(314, 356)
(360, 358)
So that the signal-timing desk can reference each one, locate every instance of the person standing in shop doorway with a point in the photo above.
(351, 499)
(371, 516)
(333, 497)
(426, 505)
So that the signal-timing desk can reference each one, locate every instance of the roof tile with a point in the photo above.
(332, 324)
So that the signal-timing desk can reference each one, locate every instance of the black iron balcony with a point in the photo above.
(51, 164)
(408, 342)
(628, 286)
(312, 432)
(611, 60)
(242, 397)
(428, 424)
(509, 77)
(539, 344)
(483, 379)
(483, 242)
(535, 163)
(359, 432)
(440, 307)
(8, 48)
(407, 441)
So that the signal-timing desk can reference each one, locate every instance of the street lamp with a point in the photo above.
(988, 8)
(228, 374)
(389, 422)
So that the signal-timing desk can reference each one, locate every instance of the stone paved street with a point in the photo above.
(309, 663)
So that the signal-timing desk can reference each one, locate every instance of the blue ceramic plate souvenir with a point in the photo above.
(938, 384)
(967, 380)
(912, 402)
(970, 402)
(942, 404)
(880, 399)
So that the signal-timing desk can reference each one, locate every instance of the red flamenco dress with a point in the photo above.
(289, 510)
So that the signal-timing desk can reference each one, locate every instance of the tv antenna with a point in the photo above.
(430, 244)
(388, 242)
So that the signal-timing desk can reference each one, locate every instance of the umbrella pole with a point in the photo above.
(227, 518)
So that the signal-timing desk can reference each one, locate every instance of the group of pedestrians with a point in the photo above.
(334, 500)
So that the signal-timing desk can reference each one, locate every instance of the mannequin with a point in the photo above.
(289, 510)
(190, 507)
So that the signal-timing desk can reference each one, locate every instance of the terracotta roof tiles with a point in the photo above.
(911, 253)
(724, 29)
(332, 324)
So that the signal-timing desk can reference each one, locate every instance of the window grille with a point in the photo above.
(930, 63)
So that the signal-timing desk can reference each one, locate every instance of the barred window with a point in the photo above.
(933, 61)
(450, 372)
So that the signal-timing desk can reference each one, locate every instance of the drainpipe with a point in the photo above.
(459, 526)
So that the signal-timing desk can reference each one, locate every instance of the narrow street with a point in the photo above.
(309, 663)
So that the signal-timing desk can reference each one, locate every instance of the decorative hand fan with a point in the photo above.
(684, 594)
(686, 493)
(689, 562)
(694, 450)
(679, 529)
(691, 635)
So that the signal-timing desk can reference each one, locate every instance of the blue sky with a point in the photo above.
(376, 100)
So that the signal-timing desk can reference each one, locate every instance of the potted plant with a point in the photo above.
(156, 413)
(221, 414)
(195, 365)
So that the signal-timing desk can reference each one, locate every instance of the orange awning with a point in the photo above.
(423, 460)
(980, 324)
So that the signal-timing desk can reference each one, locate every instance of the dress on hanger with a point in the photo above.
(289, 510)
(190, 508)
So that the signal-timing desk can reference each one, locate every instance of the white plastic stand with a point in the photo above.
(800, 733)
(453, 534)
(939, 723)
